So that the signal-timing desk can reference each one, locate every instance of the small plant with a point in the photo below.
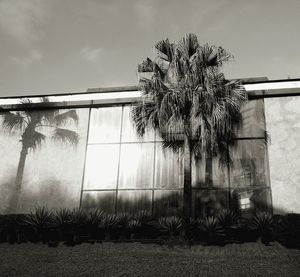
(134, 226)
(62, 221)
(78, 219)
(211, 231)
(109, 222)
(62, 218)
(40, 221)
(144, 217)
(263, 224)
(123, 225)
(228, 219)
(94, 219)
(123, 220)
(173, 225)
(148, 226)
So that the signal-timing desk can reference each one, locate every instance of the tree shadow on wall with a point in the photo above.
(49, 193)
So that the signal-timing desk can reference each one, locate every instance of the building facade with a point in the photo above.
(113, 169)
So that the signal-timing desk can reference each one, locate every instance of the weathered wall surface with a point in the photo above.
(283, 125)
(53, 172)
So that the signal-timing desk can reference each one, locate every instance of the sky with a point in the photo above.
(61, 46)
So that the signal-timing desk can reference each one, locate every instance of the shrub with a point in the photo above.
(262, 223)
(173, 225)
(228, 219)
(41, 222)
(62, 221)
(211, 231)
(123, 225)
(94, 219)
(109, 222)
(134, 226)
(148, 226)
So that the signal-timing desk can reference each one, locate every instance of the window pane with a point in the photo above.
(129, 131)
(105, 125)
(249, 201)
(168, 202)
(136, 165)
(253, 119)
(249, 164)
(209, 202)
(101, 167)
(133, 201)
(219, 174)
(168, 168)
(99, 199)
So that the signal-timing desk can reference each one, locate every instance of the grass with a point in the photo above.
(136, 259)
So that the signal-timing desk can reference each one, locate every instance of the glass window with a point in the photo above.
(251, 200)
(99, 199)
(219, 174)
(249, 164)
(136, 165)
(168, 202)
(105, 125)
(168, 168)
(101, 167)
(129, 131)
(253, 124)
(132, 201)
(209, 202)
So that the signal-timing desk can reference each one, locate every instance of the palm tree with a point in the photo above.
(30, 125)
(191, 105)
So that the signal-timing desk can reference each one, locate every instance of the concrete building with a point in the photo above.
(113, 169)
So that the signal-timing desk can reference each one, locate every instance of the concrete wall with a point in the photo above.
(283, 125)
(53, 172)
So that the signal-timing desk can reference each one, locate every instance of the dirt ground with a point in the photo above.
(136, 259)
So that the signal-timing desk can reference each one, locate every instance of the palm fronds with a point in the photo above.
(61, 119)
(13, 121)
(66, 136)
(190, 96)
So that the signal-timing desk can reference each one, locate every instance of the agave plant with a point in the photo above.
(134, 226)
(123, 220)
(78, 220)
(40, 221)
(78, 217)
(211, 230)
(93, 222)
(228, 219)
(263, 223)
(123, 224)
(62, 220)
(173, 224)
(144, 217)
(109, 222)
(148, 226)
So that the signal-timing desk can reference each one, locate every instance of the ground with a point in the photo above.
(136, 259)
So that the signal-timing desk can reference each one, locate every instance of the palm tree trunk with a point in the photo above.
(14, 201)
(187, 184)
(208, 169)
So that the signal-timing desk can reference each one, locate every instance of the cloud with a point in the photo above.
(91, 54)
(21, 19)
(33, 57)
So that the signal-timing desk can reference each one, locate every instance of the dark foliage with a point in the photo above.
(75, 226)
